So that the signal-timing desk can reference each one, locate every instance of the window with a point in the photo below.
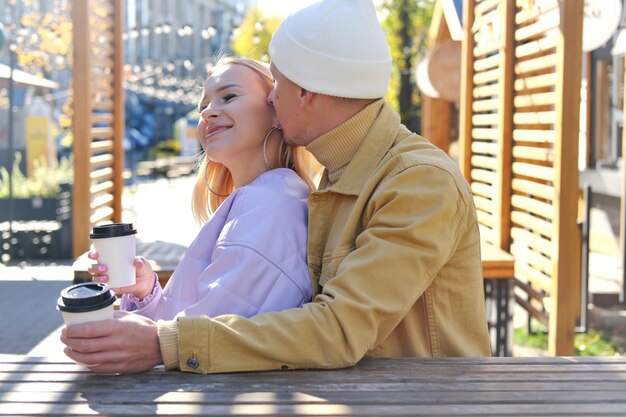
(607, 109)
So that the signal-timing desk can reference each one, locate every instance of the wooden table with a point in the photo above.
(377, 387)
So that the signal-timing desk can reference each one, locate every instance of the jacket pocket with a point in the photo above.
(331, 262)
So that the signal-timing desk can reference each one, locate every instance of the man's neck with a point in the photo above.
(332, 112)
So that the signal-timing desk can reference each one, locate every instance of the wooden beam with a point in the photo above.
(81, 210)
(506, 11)
(436, 21)
(622, 222)
(118, 112)
(436, 122)
(565, 291)
(467, 90)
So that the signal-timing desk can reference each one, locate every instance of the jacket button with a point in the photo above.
(193, 363)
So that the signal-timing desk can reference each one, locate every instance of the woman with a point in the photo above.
(251, 190)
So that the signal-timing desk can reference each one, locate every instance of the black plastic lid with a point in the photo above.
(87, 296)
(112, 230)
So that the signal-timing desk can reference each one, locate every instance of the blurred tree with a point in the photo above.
(44, 40)
(43, 45)
(253, 37)
(406, 23)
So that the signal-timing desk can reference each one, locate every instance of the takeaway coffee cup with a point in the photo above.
(89, 301)
(115, 244)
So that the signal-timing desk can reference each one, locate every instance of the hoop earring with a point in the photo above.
(206, 183)
(267, 136)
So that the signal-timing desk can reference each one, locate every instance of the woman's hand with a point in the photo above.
(144, 276)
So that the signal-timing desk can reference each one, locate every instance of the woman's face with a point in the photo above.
(235, 117)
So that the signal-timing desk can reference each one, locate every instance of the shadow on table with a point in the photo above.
(121, 398)
(150, 394)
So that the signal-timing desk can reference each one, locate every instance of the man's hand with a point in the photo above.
(127, 344)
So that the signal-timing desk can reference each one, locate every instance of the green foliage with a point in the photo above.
(253, 37)
(406, 24)
(592, 343)
(44, 182)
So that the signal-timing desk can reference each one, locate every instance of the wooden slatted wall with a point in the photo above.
(98, 116)
(519, 132)
(485, 115)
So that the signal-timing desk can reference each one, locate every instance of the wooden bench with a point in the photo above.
(170, 167)
(498, 267)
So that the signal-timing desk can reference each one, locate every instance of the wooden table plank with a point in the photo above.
(95, 407)
(313, 397)
(382, 387)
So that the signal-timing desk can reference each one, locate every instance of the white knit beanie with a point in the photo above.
(334, 47)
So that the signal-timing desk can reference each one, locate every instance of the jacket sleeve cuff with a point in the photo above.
(168, 341)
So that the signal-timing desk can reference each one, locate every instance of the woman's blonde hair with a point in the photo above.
(214, 182)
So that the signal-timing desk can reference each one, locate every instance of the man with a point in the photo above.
(393, 247)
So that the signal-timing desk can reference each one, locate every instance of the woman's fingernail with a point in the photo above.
(102, 268)
(104, 278)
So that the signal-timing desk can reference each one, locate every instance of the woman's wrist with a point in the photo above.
(149, 290)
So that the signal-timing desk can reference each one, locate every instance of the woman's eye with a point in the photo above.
(228, 97)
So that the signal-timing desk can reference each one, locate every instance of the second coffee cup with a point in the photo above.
(116, 248)
(86, 302)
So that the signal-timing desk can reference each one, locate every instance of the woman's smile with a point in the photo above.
(215, 130)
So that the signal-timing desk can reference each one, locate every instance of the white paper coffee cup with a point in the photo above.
(86, 302)
(116, 248)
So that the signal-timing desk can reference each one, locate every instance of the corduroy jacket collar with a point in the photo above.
(373, 146)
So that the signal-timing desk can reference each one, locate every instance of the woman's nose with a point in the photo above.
(209, 112)
(270, 97)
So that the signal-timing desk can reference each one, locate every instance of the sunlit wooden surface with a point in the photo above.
(561, 386)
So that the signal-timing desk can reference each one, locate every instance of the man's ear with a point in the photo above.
(306, 96)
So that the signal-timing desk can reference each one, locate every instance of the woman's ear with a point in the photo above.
(276, 123)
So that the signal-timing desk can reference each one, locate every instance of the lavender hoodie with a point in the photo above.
(249, 258)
